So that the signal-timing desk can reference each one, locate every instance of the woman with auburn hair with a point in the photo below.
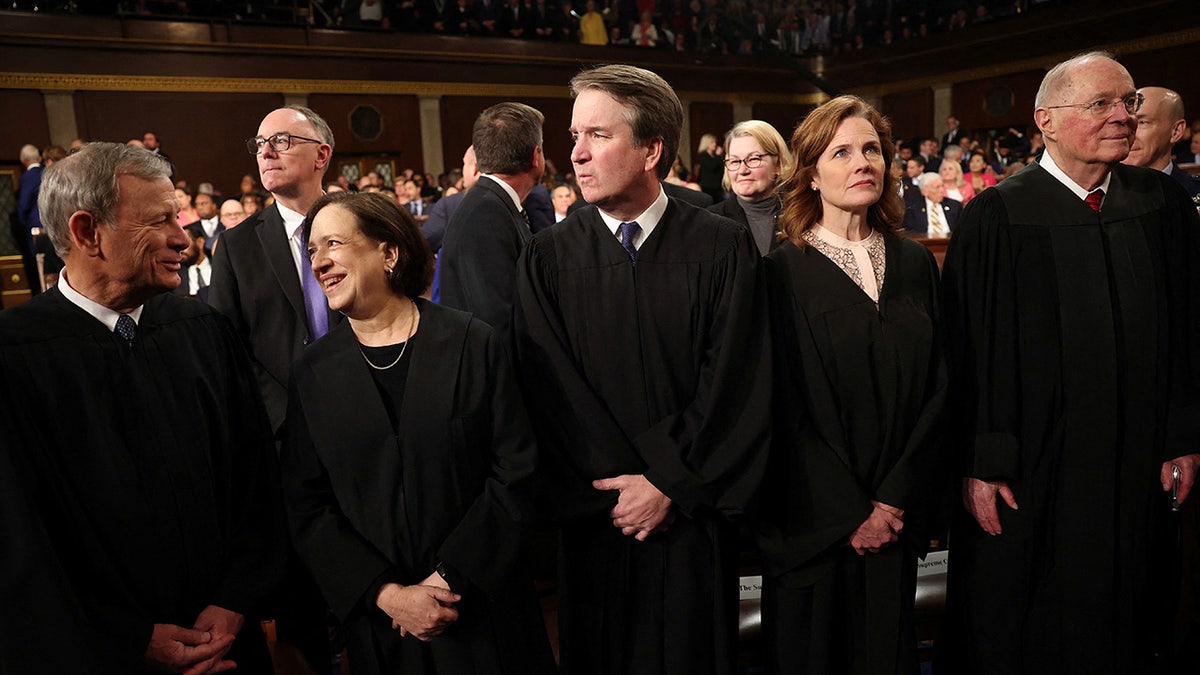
(407, 461)
(852, 485)
(756, 158)
(953, 185)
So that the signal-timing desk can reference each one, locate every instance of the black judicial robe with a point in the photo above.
(367, 506)
(859, 410)
(1074, 341)
(140, 485)
(659, 368)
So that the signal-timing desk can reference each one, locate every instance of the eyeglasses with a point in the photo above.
(278, 143)
(1103, 108)
(751, 162)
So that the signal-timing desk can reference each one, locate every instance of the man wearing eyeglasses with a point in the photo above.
(1073, 332)
(261, 279)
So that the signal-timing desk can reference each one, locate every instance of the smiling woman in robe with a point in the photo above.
(859, 397)
(407, 461)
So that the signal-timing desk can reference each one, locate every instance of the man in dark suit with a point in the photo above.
(27, 193)
(195, 276)
(953, 133)
(1160, 126)
(209, 225)
(929, 212)
(262, 280)
(489, 229)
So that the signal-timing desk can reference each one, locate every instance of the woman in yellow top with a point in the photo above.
(591, 27)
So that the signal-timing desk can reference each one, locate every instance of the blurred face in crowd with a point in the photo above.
(914, 169)
(757, 183)
(977, 164)
(933, 188)
(249, 206)
(850, 172)
(232, 213)
(150, 141)
(205, 206)
(185, 200)
(562, 199)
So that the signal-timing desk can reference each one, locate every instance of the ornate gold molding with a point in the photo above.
(159, 83)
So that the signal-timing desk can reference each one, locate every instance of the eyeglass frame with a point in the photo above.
(1107, 106)
(255, 147)
(758, 160)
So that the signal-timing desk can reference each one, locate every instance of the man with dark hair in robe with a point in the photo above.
(642, 342)
(142, 524)
(1071, 306)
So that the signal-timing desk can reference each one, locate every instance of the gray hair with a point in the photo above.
(652, 109)
(318, 123)
(953, 152)
(30, 154)
(1060, 75)
(505, 136)
(87, 181)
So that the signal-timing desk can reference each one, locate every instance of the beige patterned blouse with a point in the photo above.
(852, 257)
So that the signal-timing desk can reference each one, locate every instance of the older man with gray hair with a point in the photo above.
(141, 519)
(1074, 333)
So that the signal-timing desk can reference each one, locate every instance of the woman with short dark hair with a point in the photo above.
(407, 461)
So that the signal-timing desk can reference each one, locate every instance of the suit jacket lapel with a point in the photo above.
(278, 249)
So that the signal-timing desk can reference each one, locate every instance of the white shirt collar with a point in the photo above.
(647, 221)
(1048, 164)
(101, 313)
(512, 194)
(292, 221)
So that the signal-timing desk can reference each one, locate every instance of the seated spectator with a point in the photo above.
(566, 25)
(982, 175)
(251, 203)
(187, 212)
(644, 33)
(955, 187)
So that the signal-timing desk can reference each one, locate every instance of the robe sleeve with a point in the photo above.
(487, 544)
(1183, 301)
(713, 452)
(344, 564)
(257, 538)
(579, 439)
(980, 307)
(915, 477)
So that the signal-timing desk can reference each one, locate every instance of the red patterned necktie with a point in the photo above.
(1094, 198)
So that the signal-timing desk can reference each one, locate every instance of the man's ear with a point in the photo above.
(85, 233)
(1177, 131)
(1045, 123)
(654, 151)
(324, 154)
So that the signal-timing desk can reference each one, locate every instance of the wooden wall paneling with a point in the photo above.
(911, 113)
(1170, 68)
(996, 102)
(785, 117)
(22, 120)
(458, 115)
(203, 134)
(399, 130)
(705, 118)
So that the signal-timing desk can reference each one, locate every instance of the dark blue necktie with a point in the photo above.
(315, 306)
(126, 327)
(628, 232)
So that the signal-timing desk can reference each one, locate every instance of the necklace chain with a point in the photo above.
(412, 322)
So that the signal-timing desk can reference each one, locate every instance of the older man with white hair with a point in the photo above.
(1075, 368)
